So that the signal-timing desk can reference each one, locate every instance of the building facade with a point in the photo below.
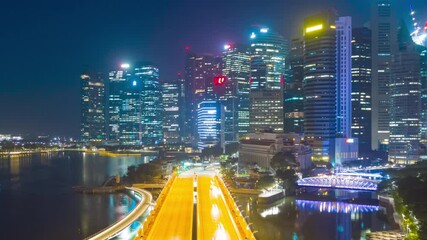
(134, 106)
(343, 75)
(200, 71)
(320, 85)
(235, 95)
(384, 45)
(93, 124)
(293, 91)
(259, 148)
(361, 87)
(171, 113)
(268, 67)
(151, 104)
(405, 96)
(210, 116)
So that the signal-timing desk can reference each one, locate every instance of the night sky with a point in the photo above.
(45, 45)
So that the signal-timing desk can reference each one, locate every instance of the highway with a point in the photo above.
(214, 220)
(175, 217)
(118, 226)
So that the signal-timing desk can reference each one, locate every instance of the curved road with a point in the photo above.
(118, 226)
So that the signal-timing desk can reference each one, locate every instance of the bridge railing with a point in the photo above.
(241, 223)
(149, 221)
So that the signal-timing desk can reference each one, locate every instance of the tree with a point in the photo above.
(282, 160)
(288, 177)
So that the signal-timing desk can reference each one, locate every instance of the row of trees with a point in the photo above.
(144, 173)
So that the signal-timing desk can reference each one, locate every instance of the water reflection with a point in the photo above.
(291, 218)
(334, 207)
(36, 194)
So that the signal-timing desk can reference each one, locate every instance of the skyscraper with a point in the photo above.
(118, 80)
(327, 87)
(200, 71)
(151, 104)
(134, 106)
(170, 101)
(343, 75)
(268, 55)
(210, 116)
(405, 96)
(384, 45)
(361, 87)
(93, 108)
(423, 59)
(293, 93)
(320, 83)
(235, 97)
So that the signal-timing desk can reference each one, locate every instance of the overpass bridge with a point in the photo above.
(210, 210)
(340, 182)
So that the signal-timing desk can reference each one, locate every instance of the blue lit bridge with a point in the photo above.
(339, 181)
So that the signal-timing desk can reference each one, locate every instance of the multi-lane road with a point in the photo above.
(175, 217)
(214, 220)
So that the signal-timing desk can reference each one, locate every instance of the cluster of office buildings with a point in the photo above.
(343, 90)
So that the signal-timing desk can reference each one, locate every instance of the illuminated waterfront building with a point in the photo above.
(361, 87)
(327, 84)
(293, 92)
(170, 101)
(234, 94)
(384, 45)
(267, 65)
(210, 116)
(93, 108)
(151, 104)
(405, 96)
(118, 80)
(134, 106)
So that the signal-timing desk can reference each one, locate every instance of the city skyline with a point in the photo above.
(52, 105)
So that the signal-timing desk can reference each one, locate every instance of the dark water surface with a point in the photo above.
(293, 219)
(37, 201)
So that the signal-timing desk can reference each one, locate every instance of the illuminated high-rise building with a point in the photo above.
(199, 73)
(320, 85)
(384, 45)
(134, 106)
(234, 95)
(423, 70)
(151, 104)
(343, 76)
(293, 93)
(118, 81)
(327, 85)
(210, 127)
(268, 52)
(405, 96)
(361, 87)
(93, 108)
(171, 111)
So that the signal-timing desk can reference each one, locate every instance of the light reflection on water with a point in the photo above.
(302, 219)
(36, 194)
